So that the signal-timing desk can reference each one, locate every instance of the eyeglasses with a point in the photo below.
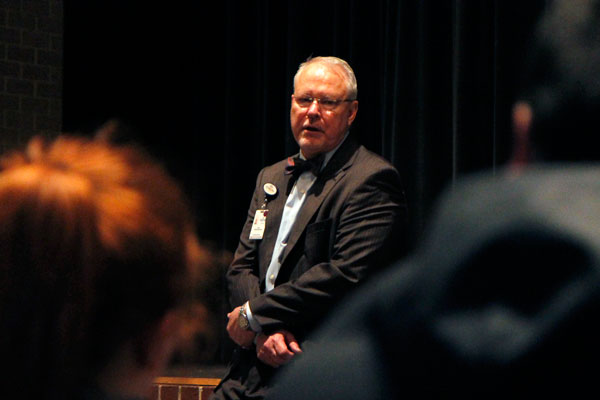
(325, 104)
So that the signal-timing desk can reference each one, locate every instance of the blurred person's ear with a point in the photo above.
(163, 340)
(133, 369)
(522, 116)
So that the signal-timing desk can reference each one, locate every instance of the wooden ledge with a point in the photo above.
(177, 380)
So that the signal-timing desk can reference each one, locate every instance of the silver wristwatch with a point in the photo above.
(243, 321)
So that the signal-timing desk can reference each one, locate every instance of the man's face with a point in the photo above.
(316, 129)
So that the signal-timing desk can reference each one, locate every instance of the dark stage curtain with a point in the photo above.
(206, 87)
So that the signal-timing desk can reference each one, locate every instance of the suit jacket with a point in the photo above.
(500, 301)
(355, 204)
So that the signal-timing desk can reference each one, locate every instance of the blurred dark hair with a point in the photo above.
(561, 81)
(97, 243)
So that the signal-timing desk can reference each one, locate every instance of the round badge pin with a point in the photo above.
(270, 189)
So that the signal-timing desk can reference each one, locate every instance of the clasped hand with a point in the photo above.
(276, 349)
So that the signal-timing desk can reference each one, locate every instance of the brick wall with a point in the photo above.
(31, 38)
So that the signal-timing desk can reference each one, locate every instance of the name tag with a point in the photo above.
(258, 226)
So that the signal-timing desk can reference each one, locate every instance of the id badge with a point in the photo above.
(258, 226)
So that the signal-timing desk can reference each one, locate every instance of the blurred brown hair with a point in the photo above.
(97, 242)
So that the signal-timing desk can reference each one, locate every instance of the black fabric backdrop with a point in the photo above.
(206, 87)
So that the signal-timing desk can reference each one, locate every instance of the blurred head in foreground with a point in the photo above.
(558, 110)
(98, 256)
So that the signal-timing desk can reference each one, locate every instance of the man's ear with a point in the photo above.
(352, 112)
(522, 116)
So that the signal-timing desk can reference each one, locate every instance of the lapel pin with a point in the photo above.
(270, 189)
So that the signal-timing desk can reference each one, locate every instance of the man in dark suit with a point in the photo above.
(317, 224)
(502, 298)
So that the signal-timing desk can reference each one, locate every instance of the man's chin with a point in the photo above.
(310, 147)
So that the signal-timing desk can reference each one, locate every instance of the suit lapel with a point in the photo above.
(275, 207)
(333, 172)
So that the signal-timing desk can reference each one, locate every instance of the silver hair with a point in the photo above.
(349, 77)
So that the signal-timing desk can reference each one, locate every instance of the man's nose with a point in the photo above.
(314, 107)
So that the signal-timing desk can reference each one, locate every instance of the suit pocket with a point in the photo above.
(318, 242)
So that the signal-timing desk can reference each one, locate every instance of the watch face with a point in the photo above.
(243, 322)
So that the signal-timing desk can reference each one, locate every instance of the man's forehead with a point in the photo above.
(321, 77)
(322, 70)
